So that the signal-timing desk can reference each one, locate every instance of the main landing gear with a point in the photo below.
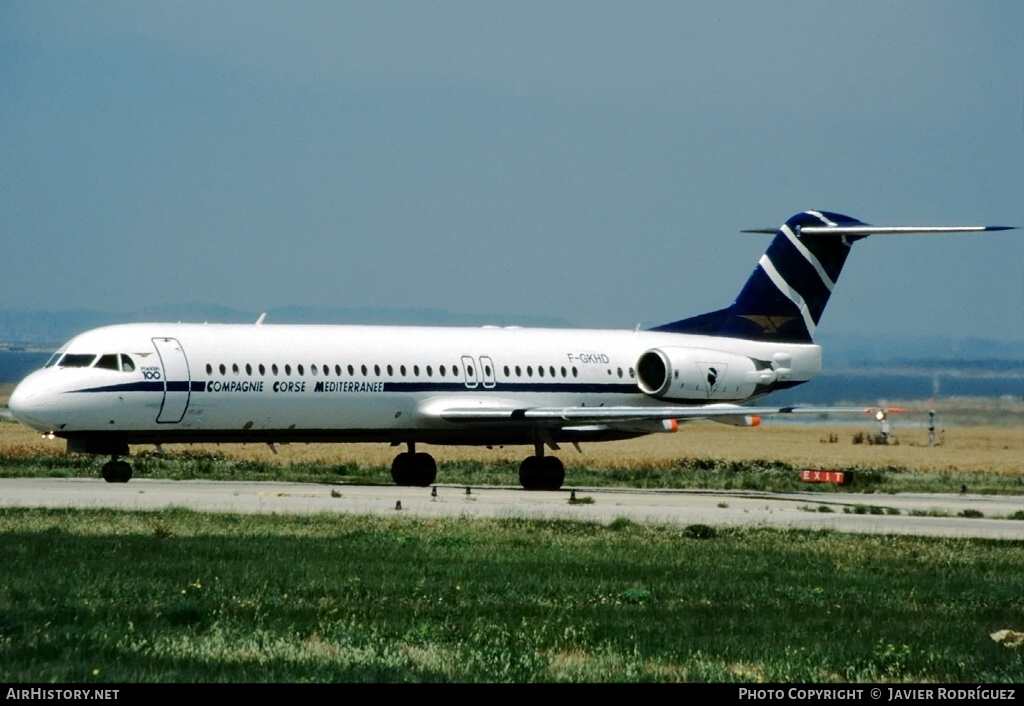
(538, 472)
(541, 472)
(411, 468)
(115, 471)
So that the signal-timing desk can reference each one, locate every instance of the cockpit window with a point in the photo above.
(107, 362)
(56, 356)
(77, 360)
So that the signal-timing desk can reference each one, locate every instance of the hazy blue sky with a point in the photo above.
(588, 160)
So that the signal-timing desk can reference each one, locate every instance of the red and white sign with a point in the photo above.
(813, 476)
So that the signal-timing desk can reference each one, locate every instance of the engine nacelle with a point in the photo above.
(698, 373)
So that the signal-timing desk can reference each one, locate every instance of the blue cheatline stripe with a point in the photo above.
(391, 386)
(397, 386)
(150, 386)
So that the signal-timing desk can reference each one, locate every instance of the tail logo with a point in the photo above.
(769, 324)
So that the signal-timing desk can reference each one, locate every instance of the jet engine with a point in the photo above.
(700, 374)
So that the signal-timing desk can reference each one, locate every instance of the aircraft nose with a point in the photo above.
(30, 404)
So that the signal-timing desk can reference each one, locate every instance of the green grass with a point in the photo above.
(97, 596)
(706, 473)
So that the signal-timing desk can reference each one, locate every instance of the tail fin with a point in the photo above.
(785, 296)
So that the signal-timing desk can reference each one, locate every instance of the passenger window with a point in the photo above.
(529, 371)
(363, 368)
(337, 370)
(288, 369)
(376, 370)
(519, 372)
(575, 372)
(540, 370)
(312, 369)
(391, 371)
(401, 369)
(455, 370)
(248, 369)
(441, 370)
(209, 369)
(327, 370)
(273, 368)
(430, 371)
(416, 370)
(222, 369)
(551, 369)
(351, 370)
(302, 371)
(563, 371)
(263, 371)
(234, 368)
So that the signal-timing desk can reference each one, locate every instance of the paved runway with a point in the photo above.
(683, 507)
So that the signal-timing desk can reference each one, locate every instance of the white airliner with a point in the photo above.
(166, 383)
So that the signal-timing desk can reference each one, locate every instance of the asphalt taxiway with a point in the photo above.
(903, 513)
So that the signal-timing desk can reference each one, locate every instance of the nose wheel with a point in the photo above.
(115, 471)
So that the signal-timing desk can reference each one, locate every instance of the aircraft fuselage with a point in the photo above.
(281, 383)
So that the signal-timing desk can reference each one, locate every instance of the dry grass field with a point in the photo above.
(980, 449)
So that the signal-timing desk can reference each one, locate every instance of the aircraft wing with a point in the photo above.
(572, 416)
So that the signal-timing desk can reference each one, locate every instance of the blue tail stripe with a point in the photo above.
(830, 252)
(799, 274)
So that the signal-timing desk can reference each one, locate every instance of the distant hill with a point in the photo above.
(858, 350)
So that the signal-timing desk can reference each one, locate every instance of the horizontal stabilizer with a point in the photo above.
(863, 230)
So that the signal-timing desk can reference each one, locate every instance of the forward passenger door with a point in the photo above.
(177, 380)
